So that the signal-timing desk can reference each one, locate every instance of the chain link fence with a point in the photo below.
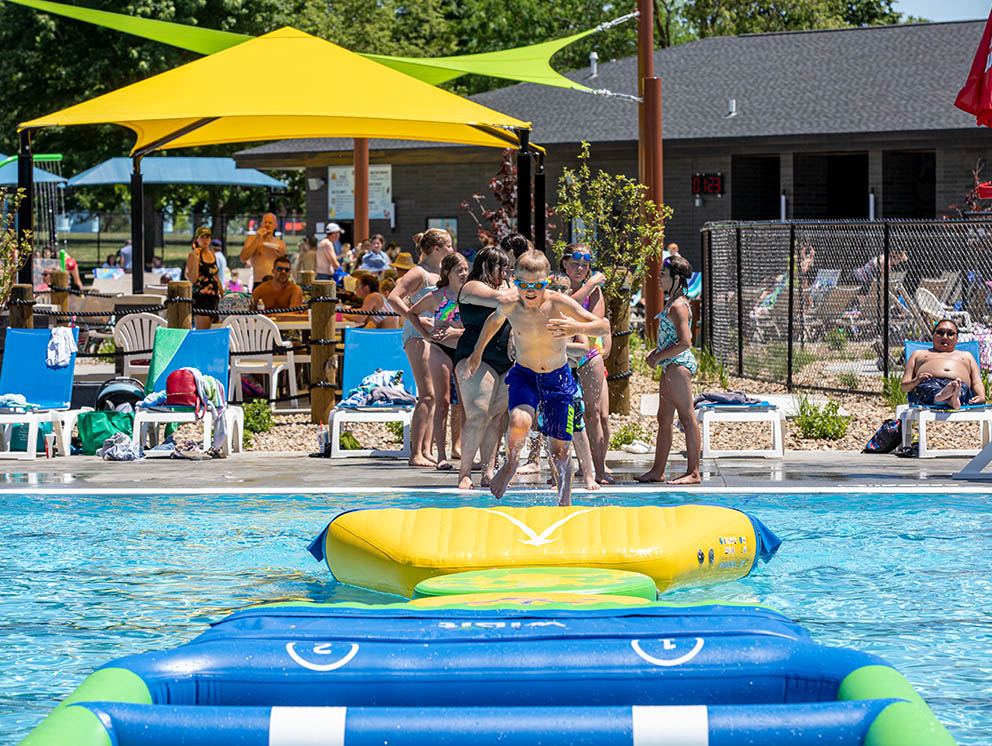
(828, 304)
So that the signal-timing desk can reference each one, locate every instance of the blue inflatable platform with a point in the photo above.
(597, 673)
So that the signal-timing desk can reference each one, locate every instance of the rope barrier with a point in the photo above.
(93, 314)
(620, 376)
(21, 302)
(622, 334)
(178, 299)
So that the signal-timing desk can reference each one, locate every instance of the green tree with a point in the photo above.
(729, 17)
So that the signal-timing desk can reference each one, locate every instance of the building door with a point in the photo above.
(832, 186)
(909, 184)
(754, 187)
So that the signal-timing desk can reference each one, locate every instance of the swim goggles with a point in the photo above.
(580, 256)
(539, 285)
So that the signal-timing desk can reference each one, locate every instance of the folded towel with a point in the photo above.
(61, 345)
(722, 397)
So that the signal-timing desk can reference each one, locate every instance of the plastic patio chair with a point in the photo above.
(137, 332)
(922, 414)
(206, 350)
(251, 333)
(25, 372)
(365, 350)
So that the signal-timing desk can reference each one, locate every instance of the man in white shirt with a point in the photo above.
(328, 251)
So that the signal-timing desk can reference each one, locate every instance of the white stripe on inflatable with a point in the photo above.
(671, 726)
(307, 726)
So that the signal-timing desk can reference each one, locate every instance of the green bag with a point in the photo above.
(96, 427)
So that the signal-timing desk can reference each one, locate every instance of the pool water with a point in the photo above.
(86, 579)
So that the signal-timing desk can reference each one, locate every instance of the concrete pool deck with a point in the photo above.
(260, 472)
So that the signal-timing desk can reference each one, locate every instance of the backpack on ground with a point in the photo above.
(886, 439)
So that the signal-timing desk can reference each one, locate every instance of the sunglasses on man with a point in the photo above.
(944, 333)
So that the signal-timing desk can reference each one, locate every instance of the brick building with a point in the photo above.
(841, 122)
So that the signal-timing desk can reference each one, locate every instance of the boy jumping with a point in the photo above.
(543, 323)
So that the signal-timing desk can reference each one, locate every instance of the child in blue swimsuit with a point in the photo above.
(673, 355)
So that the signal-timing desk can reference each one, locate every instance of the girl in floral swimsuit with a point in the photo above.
(673, 355)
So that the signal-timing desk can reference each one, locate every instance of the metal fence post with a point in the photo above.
(704, 316)
(709, 289)
(792, 305)
(740, 309)
(885, 299)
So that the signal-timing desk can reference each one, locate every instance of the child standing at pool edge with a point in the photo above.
(678, 365)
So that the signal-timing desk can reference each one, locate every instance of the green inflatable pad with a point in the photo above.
(540, 580)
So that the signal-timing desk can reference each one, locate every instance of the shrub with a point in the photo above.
(395, 429)
(821, 422)
(258, 416)
(848, 380)
(891, 391)
(711, 369)
(107, 351)
(626, 434)
(836, 339)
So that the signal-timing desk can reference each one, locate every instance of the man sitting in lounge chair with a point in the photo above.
(942, 374)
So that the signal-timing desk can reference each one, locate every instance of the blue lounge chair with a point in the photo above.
(366, 350)
(206, 350)
(923, 414)
(25, 372)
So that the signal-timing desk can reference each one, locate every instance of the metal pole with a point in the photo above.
(540, 206)
(708, 286)
(885, 299)
(361, 227)
(705, 268)
(655, 193)
(137, 228)
(25, 209)
(792, 304)
(523, 185)
(740, 309)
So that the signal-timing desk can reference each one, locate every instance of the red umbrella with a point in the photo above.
(976, 96)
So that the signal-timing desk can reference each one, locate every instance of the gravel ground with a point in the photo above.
(294, 432)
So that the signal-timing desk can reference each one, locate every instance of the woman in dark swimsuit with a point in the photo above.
(201, 270)
(483, 395)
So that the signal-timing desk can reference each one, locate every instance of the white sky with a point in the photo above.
(944, 10)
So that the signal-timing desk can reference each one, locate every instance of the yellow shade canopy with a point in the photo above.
(284, 85)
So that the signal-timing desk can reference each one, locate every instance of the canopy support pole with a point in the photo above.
(360, 229)
(524, 223)
(645, 156)
(137, 228)
(540, 206)
(25, 209)
(655, 193)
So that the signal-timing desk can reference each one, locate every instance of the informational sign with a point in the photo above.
(341, 192)
(446, 224)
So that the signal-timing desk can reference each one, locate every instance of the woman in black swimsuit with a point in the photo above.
(201, 270)
(483, 395)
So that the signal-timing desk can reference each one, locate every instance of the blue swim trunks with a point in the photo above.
(926, 392)
(549, 394)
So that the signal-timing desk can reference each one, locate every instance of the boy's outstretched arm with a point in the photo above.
(574, 319)
(489, 329)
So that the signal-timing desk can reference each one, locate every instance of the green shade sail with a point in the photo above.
(530, 64)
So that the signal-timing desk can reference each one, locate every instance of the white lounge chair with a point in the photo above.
(923, 415)
(365, 350)
(205, 350)
(711, 414)
(26, 372)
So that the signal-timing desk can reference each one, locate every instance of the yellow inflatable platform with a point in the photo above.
(392, 550)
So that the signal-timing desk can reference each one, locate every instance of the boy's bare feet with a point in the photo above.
(591, 484)
(528, 467)
(487, 478)
(651, 476)
(501, 481)
(422, 462)
(687, 478)
(465, 483)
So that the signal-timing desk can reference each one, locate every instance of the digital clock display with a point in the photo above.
(707, 184)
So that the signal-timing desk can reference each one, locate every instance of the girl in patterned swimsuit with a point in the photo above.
(674, 355)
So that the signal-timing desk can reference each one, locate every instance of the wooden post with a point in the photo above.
(180, 313)
(618, 362)
(324, 301)
(60, 279)
(306, 279)
(361, 225)
(21, 310)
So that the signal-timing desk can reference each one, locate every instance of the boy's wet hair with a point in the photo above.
(533, 261)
